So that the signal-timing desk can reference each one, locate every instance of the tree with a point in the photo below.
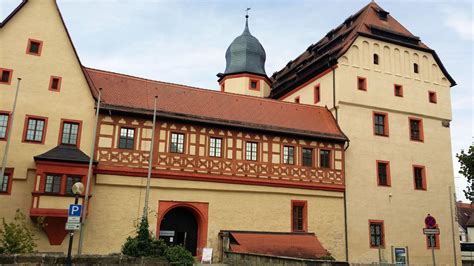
(16, 237)
(467, 170)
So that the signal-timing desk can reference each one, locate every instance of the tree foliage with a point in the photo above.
(16, 237)
(466, 159)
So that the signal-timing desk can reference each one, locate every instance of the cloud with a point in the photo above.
(462, 23)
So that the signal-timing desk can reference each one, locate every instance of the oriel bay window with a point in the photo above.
(251, 151)
(52, 184)
(215, 147)
(380, 124)
(4, 118)
(70, 133)
(383, 173)
(127, 138)
(177, 143)
(376, 231)
(70, 181)
(299, 220)
(416, 129)
(307, 155)
(325, 158)
(35, 129)
(288, 155)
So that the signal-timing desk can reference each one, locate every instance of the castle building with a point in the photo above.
(345, 150)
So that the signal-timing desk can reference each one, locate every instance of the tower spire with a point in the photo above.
(246, 30)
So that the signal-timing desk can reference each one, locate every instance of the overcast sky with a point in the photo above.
(184, 41)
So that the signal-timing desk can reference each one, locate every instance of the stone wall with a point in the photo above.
(233, 258)
(54, 259)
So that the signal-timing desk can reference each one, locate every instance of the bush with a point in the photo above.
(179, 255)
(328, 256)
(16, 237)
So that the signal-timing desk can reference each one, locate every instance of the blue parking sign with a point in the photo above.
(75, 210)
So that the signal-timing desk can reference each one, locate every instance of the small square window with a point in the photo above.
(55, 83)
(432, 97)
(6, 76)
(297, 99)
(251, 151)
(398, 90)
(34, 47)
(127, 138)
(215, 147)
(70, 133)
(361, 84)
(254, 84)
(52, 184)
(377, 238)
(35, 129)
(177, 143)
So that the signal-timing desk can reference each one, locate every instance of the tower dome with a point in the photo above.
(245, 54)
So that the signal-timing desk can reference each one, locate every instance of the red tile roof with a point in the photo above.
(465, 214)
(296, 245)
(136, 95)
(323, 54)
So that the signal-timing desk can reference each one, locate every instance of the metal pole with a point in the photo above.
(380, 253)
(89, 174)
(150, 162)
(7, 145)
(432, 241)
(452, 224)
(71, 237)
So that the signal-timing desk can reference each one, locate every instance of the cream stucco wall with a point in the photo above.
(400, 206)
(118, 203)
(39, 20)
(240, 84)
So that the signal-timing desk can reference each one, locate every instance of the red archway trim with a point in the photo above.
(200, 211)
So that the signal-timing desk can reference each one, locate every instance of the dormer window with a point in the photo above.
(376, 59)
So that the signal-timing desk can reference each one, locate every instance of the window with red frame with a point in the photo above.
(299, 215)
(35, 129)
(5, 183)
(307, 157)
(325, 158)
(383, 173)
(416, 130)
(6, 76)
(288, 155)
(432, 241)
(127, 138)
(70, 133)
(381, 124)
(317, 94)
(377, 238)
(432, 97)
(398, 90)
(361, 84)
(70, 181)
(52, 184)
(254, 85)
(4, 119)
(55, 83)
(34, 47)
(419, 178)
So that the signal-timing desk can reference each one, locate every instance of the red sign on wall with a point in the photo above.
(430, 221)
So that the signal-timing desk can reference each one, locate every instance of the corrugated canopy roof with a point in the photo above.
(136, 95)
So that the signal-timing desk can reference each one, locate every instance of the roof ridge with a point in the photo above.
(208, 90)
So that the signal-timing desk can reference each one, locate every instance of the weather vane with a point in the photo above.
(247, 12)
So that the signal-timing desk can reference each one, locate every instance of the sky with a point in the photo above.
(184, 41)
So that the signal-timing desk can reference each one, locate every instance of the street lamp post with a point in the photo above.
(77, 190)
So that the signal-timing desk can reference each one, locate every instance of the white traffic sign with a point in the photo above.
(73, 226)
(74, 219)
(431, 231)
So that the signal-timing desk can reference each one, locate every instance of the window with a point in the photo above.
(177, 143)
(398, 90)
(70, 133)
(307, 154)
(432, 241)
(53, 184)
(35, 129)
(432, 97)
(251, 151)
(419, 177)
(215, 147)
(70, 181)
(288, 155)
(376, 59)
(383, 173)
(5, 184)
(299, 216)
(254, 85)
(317, 94)
(4, 119)
(324, 158)
(361, 84)
(34, 47)
(127, 138)
(416, 129)
(377, 238)
(381, 124)
(6, 77)
(55, 83)
(297, 99)
(415, 68)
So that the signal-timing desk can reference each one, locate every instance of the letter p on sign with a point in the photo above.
(75, 210)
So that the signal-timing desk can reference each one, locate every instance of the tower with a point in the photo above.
(245, 66)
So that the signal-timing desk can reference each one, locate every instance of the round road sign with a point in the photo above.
(430, 221)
